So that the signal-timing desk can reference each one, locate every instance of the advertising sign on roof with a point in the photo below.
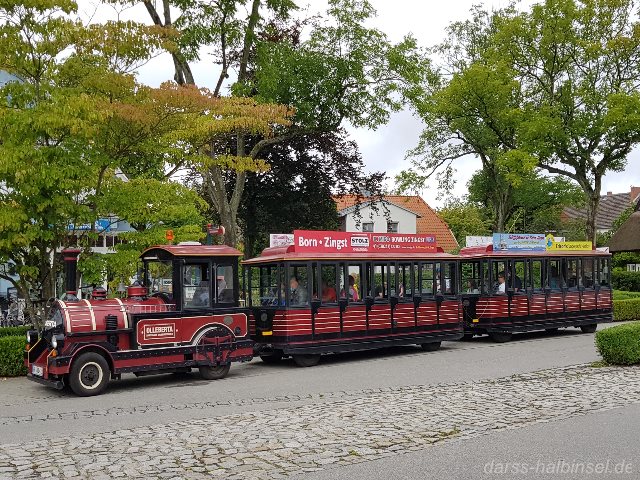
(280, 239)
(347, 242)
(553, 245)
(529, 242)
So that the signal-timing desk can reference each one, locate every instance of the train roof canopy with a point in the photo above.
(167, 252)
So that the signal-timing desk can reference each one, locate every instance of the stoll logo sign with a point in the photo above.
(360, 241)
(160, 331)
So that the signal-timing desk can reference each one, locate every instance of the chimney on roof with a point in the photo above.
(635, 193)
(609, 194)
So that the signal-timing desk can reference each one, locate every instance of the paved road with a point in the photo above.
(256, 386)
(602, 445)
(150, 407)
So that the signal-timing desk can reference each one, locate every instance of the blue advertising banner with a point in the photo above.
(102, 225)
(528, 242)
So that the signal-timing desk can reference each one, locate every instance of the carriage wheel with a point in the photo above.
(589, 328)
(431, 346)
(307, 360)
(214, 373)
(500, 337)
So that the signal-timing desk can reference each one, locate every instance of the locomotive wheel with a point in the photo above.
(214, 373)
(275, 357)
(589, 328)
(307, 360)
(500, 337)
(89, 374)
(431, 346)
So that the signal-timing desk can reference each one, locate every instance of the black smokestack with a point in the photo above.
(70, 256)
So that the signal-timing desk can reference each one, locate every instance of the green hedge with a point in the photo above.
(623, 280)
(620, 345)
(622, 295)
(12, 356)
(14, 331)
(624, 310)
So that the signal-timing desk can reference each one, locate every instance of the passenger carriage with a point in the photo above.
(543, 290)
(183, 316)
(336, 291)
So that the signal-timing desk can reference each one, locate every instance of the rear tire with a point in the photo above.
(589, 328)
(274, 358)
(89, 374)
(214, 373)
(500, 337)
(310, 360)
(431, 346)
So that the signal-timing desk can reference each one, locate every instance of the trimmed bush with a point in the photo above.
(620, 345)
(623, 280)
(14, 331)
(624, 310)
(622, 295)
(12, 356)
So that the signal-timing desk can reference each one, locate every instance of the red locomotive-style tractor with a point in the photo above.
(183, 315)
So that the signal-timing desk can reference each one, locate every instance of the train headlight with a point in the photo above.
(32, 337)
(57, 341)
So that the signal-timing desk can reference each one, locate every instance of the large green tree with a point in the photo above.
(76, 118)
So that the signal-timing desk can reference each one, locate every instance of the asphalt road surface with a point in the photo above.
(32, 412)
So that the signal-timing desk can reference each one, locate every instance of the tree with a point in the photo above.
(338, 71)
(465, 218)
(296, 192)
(78, 119)
(470, 108)
(579, 67)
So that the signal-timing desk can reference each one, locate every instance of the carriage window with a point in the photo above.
(298, 283)
(328, 283)
(449, 278)
(404, 281)
(266, 287)
(604, 272)
(391, 282)
(196, 286)
(486, 287)
(587, 273)
(380, 282)
(535, 279)
(517, 283)
(498, 277)
(426, 278)
(555, 278)
(470, 275)
(160, 277)
(224, 284)
(351, 286)
(572, 266)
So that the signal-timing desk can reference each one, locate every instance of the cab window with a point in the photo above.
(196, 286)
(224, 284)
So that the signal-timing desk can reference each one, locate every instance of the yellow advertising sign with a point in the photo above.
(576, 246)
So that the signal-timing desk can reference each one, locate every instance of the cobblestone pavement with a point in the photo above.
(338, 429)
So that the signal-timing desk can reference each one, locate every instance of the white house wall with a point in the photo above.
(406, 219)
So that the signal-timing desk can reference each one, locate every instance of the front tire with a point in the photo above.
(214, 373)
(307, 360)
(431, 346)
(500, 337)
(89, 374)
(589, 328)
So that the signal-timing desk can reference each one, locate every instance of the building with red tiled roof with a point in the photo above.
(393, 213)
(609, 209)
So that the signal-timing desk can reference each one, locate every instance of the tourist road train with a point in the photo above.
(327, 292)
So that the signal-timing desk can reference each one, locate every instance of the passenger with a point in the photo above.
(225, 295)
(298, 294)
(201, 295)
(502, 286)
(328, 293)
(517, 283)
(554, 279)
(472, 287)
(379, 291)
(353, 291)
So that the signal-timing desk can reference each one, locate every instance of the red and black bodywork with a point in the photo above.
(543, 291)
(398, 302)
(148, 332)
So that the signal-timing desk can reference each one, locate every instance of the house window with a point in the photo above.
(392, 227)
(367, 227)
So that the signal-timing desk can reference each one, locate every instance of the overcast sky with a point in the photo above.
(385, 148)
